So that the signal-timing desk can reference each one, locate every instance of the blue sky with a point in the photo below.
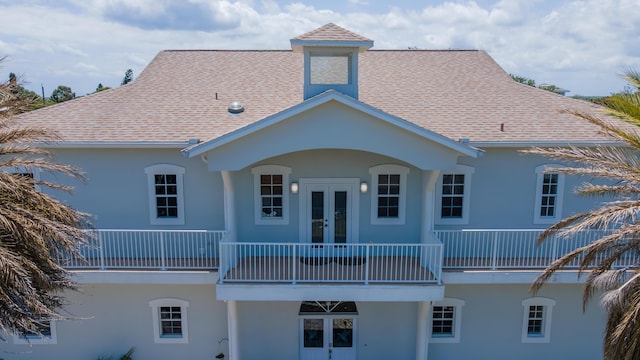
(579, 45)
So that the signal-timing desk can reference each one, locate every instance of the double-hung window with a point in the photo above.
(170, 321)
(271, 194)
(46, 334)
(453, 191)
(536, 322)
(549, 192)
(446, 317)
(166, 198)
(388, 195)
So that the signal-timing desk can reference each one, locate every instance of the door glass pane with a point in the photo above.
(313, 333)
(342, 333)
(340, 217)
(317, 216)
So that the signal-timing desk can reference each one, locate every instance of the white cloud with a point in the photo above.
(573, 44)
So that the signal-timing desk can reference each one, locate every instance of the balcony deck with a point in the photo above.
(247, 262)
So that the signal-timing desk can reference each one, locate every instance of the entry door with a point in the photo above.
(330, 220)
(330, 338)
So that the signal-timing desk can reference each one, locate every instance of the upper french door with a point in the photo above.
(328, 210)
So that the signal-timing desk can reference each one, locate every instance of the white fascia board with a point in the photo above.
(505, 277)
(145, 277)
(527, 144)
(116, 145)
(323, 98)
(362, 46)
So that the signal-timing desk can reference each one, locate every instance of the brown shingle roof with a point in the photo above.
(185, 94)
(331, 32)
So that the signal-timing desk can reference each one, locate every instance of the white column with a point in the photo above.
(232, 328)
(229, 206)
(429, 179)
(424, 330)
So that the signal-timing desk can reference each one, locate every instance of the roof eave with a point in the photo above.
(461, 147)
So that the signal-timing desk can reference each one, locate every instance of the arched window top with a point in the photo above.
(328, 307)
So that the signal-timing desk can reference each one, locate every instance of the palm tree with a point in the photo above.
(35, 228)
(620, 167)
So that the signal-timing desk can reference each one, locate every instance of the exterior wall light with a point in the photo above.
(294, 187)
(364, 187)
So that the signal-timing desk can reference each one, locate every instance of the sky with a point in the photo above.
(584, 46)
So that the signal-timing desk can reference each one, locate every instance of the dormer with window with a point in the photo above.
(330, 59)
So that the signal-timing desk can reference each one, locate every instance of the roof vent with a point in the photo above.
(236, 107)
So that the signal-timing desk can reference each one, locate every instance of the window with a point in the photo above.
(453, 192)
(445, 320)
(330, 68)
(536, 323)
(166, 199)
(271, 189)
(32, 175)
(388, 195)
(46, 335)
(170, 321)
(549, 189)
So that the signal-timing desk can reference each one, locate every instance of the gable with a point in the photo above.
(331, 121)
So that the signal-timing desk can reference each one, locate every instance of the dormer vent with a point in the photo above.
(236, 107)
(330, 59)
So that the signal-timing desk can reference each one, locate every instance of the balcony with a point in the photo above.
(303, 263)
(148, 250)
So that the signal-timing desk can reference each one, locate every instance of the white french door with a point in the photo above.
(328, 211)
(328, 338)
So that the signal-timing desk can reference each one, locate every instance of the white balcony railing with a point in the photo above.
(148, 249)
(512, 249)
(335, 263)
(451, 250)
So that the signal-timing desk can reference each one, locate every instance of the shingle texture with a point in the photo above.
(183, 95)
(331, 32)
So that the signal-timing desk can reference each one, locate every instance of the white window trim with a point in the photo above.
(271, 170)
(20, 339)
(22, 170)
(468, 172)
(546, 320)
(457, 320)
(155, 312)
(402, 201)
(540, 172)
(179, 171)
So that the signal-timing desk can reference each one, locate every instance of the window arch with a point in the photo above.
(328, 307)
(170, 321)
(536, 319)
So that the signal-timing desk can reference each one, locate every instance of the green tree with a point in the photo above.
(23, 95)
(101, 88)
(62, 93)
(34, 227)
(620, 167)
(523, 80)
(128, 77)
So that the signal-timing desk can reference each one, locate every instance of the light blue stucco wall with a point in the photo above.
(492, 325)
(116, 192)
(113, 318)
(270, 330)
(503, 190)
(328, 163)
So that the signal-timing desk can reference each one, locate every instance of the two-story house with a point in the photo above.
(324, 202)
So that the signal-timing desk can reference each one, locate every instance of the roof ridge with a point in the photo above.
(331, 32)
